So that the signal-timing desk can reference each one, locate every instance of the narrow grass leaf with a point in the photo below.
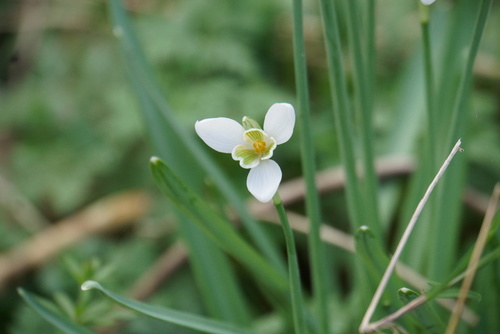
(316, 247)
(341, 111)
(55, 319)
(214, 226)
(375, 261)
(425, 318)
(183, 319)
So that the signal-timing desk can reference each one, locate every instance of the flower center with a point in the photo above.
(259, 146)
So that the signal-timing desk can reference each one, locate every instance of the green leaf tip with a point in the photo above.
(364, 228)
(154, 160)
(40, 306)
(89, 285)
(20, 291)
(408, 293)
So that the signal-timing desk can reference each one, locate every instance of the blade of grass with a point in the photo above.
(214, 275)
(55, 319)
(425, 317)
(341, 111)
(374, 263)
(316, 248)
(443, 242)
(364, 107)
(183, 319)
(429, 83)
(214, 226)
(462, 95)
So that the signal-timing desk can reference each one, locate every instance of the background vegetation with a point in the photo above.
(72, 133)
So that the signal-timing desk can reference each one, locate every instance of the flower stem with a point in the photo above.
(293, 269)
(316, 247)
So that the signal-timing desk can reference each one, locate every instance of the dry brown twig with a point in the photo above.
(20, 208)
(104, 215)
(474, 260)
(366, 326)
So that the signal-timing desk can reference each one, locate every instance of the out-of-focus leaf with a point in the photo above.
(58, 321)
(425, 316)
(176, 317)
(214, 226)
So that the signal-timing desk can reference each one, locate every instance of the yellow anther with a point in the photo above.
(259, 146)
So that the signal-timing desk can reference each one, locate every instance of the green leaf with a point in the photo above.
(455, 292)
(424, 316)
(172, 316)
(55, 319)
(375, 262)
(214, 226)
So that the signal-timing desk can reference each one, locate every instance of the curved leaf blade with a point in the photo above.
(214, 226)
(55, 319)
(183, 319)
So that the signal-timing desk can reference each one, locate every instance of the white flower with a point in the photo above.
(427, 2)
(252, 146)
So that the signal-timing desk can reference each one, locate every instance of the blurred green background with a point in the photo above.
(71, 132)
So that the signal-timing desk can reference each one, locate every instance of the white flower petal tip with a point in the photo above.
(427, 2)
(279, 122)
(221, 134)
(263, 181)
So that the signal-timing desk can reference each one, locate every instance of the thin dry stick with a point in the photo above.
(20, 208)
(365, 326)
(107, 214)
(345, 241)
(482, 238)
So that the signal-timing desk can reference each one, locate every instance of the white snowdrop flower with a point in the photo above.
(251, 145)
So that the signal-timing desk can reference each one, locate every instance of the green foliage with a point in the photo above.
(81, 117)
(179, 318)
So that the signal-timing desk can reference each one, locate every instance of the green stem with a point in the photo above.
(341, 110)
(456, 125)
(316, 248)
(293, 269)
(361, 70)
(462, 94)
(432, 120)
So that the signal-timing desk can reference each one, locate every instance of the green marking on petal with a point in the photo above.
(251, 136)
(249, 123)
(247, 156)
(271, 145)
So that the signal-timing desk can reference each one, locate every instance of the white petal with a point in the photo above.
(221, 133)
(279, 122)
(427, 2)
(263, 180)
